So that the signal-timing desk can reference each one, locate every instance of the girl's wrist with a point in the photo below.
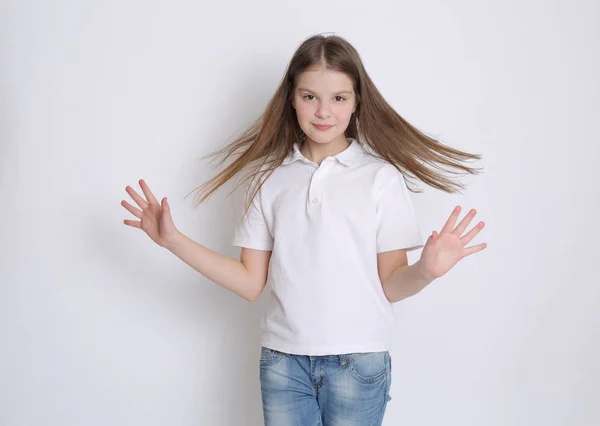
(172, 241)
(423, 272)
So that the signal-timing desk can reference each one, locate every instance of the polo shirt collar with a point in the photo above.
(347, 156)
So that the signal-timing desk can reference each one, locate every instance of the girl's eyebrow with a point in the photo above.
(336, 93)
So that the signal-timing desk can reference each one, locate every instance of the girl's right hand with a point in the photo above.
(155, 218)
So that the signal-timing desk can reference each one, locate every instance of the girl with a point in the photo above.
(328, 223)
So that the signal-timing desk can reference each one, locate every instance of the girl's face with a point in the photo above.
(323, 97)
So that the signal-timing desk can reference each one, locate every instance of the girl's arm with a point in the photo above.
(441, 252)
(246, 277)
(405, 281)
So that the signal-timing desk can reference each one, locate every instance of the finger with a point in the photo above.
(458, 231)
(136, 197)
(136, 212)
(474, 249)
(149, 195)
(165, 207)
(451, 221)
(472, 233)
(134, 223)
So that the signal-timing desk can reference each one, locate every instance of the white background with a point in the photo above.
(100, 326)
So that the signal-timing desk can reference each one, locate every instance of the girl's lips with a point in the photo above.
(322, 127)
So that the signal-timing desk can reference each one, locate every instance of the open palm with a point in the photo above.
(155, 219)
(444, 250)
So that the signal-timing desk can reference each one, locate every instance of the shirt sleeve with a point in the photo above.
(397, 225)
(252, 230)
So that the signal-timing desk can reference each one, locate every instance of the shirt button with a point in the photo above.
(314, 201)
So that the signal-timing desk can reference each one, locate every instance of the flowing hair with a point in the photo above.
(264, 145)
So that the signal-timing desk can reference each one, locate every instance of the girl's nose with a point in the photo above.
(323, 110)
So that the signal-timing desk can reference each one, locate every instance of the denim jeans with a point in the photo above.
(328, 390)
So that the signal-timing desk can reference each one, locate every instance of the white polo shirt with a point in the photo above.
(325, 225)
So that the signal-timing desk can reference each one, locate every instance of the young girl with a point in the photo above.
(328, 222)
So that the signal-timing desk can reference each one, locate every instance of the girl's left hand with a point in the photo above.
(442, 251)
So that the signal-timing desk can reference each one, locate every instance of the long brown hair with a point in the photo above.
(265, 143)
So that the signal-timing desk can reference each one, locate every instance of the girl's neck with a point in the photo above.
(317, 152)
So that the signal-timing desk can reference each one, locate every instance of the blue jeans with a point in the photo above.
(328, 390)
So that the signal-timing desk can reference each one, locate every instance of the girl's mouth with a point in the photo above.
(321, 127)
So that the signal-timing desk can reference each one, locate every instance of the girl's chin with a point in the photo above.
(321, 138)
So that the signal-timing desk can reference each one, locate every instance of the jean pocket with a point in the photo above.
(368, 368)
(269, 356)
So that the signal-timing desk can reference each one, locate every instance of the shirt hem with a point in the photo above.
(394, 246)
(252, 245)
(320, 350)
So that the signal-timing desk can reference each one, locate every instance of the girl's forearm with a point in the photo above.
(405, 281)
(222, 270)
